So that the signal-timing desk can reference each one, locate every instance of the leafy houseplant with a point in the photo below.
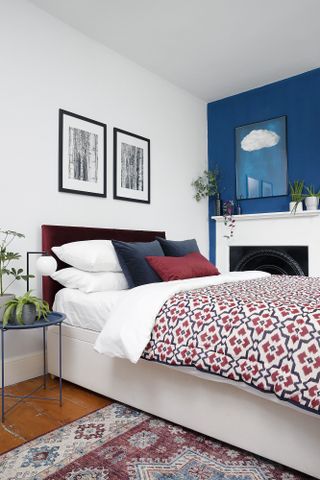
(311, 199)
(296, 193)
(6, 257)
(25, 309)
(207, 184)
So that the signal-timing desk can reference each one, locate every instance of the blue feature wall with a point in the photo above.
(299, 99)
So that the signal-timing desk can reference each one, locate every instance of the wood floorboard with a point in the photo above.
(34, 417)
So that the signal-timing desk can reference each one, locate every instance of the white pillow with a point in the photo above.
(89, 282)
(89, 255)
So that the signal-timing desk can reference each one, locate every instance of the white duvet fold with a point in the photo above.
(128, 329)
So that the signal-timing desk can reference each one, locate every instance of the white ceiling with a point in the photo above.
(212, 48)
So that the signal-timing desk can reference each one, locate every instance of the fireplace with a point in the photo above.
(290, 235)
(278, 260)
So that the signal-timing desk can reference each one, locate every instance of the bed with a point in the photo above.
(219, 409)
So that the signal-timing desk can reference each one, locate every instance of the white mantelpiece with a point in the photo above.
(273, 215)
(271, 229)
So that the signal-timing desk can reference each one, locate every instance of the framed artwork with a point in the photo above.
(261, 159)
(131, 167)
(82, 155)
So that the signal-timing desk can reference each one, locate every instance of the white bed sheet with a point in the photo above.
(129, 327)
(87, 310)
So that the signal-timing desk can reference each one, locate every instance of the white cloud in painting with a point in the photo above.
(257, 139)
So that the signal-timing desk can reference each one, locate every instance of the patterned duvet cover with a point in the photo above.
(263, 332)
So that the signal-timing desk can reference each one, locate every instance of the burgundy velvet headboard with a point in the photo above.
(56, 235)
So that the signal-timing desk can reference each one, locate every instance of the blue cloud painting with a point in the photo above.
(261, 159)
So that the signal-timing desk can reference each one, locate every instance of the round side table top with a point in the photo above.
(54, 318)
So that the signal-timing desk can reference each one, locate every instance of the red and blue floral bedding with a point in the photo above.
(263, 332)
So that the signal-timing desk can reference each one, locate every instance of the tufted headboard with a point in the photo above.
(56, 235)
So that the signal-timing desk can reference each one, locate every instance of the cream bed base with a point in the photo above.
(218, 410)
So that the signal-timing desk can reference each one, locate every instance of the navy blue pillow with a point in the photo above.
(132, 261)
(178, 248)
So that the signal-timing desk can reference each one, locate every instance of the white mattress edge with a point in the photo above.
(89, 336)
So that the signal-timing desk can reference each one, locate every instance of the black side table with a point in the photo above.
(54, 318)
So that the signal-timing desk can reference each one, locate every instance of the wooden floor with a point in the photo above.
(31, 418)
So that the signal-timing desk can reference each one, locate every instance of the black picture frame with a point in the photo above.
(136, 194)
(98, 134)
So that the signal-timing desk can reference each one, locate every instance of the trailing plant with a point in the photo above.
(6, 257)
(229, 220)
(206, 185)
(14, 308)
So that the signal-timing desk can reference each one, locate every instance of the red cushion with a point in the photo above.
(178, 268)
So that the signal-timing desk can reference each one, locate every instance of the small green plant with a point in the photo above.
(311, 192)
(14, 308)
(296, 191)
(206, 185)
(6, 257)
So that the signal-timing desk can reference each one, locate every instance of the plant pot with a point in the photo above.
(3, 300)
(296, 207)
(311, 203)
(29, 315)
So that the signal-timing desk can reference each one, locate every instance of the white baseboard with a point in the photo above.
(18, 369)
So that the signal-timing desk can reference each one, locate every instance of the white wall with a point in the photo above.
(46, 65)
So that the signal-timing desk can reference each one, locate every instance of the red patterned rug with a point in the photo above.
(118, 442)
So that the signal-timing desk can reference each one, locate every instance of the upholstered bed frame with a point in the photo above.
(56, 235)
(275, 431)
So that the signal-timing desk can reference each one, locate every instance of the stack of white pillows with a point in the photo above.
(94, 267)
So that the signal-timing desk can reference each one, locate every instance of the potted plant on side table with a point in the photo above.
(25, 310)
(6, 257)
(311, 199)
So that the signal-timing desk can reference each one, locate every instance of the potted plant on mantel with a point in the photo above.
(311, 199)
(207, 185)
(6, 257)
(296, 193)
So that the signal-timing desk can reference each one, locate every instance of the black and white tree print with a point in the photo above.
(131, 167)
(83, 155)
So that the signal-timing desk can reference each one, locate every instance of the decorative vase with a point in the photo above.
(29, 315)
(3, 300)
(295, 207)
(311, 203)
(217, 202)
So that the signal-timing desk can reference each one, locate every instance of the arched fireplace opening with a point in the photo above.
(275, 260)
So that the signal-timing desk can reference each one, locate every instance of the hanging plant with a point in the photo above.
(207, 185)
(229, 220)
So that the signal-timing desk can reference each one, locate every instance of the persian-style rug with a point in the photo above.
(118, 442)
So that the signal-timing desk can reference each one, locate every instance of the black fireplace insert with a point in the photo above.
(278, 260)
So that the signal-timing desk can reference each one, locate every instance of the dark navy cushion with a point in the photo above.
(179, 248)
(132, 261)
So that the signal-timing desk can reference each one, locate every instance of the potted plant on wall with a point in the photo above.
(311, 199)
(6, 270)
(207, 185)
(296, 193)
(25, 310)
